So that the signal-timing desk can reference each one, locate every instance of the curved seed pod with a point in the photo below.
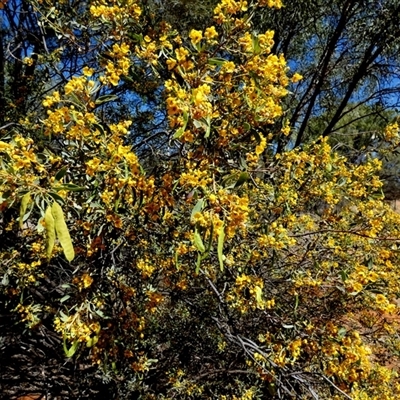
(26, 198)
(62, 231)
(221, 238)
(50, 231)
(198, 242)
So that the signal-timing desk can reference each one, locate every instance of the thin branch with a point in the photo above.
(338, 389)
(343, 231)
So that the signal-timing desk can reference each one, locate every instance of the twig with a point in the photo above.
(343, 231)
(338, 389)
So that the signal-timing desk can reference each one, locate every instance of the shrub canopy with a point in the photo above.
(206, 265)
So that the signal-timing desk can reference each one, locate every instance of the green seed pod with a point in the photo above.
(26, 198)
(198, 242)
(62, 232)
(50, 231)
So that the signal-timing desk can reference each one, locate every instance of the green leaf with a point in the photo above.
(5, 281)
(60, 174)
(72, 350)
(56, 197)
(243, 177)
(106, 99)
(343, 275)
(221, 238)
(181, 130)
(210, 238)
(256, 45)
(197, 208)
(179, 133)
(342, 332)
(62, 232)
(208, 126)
(71, 187)
(228, 181)
(136, 37)
(176, 259)
(64, 298)
(100, 313)
(26, 198)
(99, 128)
(216, 61)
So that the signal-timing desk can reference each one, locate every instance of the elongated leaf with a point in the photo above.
(60, 174)
(207, 126)
(64, 298)
(99, 128)
(216, 61)
(62, 232)
(181, 130)
(50, 231)
(243, 177)
(256, 45)
(197, 208)
(106, 98)
(56, 197)
(26, 198)
(72, 350)
(71, 187)
(178, 133)
(221, 238)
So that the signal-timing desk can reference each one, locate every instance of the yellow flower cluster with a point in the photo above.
(348, 358)
(247, 294)
(226, 8)
(30, 314)
(391, 133)
(360, 277)
(117, 11)
(21, 151)
(50, 100)
(75, 329)
(145, 267)
(383, 304)
(195, 178)
(83, 282)
(277, 238)
(154, 300)
(119, 66)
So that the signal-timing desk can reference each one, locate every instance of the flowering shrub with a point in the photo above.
(231, 272)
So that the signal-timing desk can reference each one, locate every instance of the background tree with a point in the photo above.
(342, 69)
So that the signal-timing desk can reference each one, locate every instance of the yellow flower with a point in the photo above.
(88, 71)
(228, 67)
(171, 63)
(28, 61)
(210, 33)
(195, 36)
(87, 280)
(380, 299)
(296, 77)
